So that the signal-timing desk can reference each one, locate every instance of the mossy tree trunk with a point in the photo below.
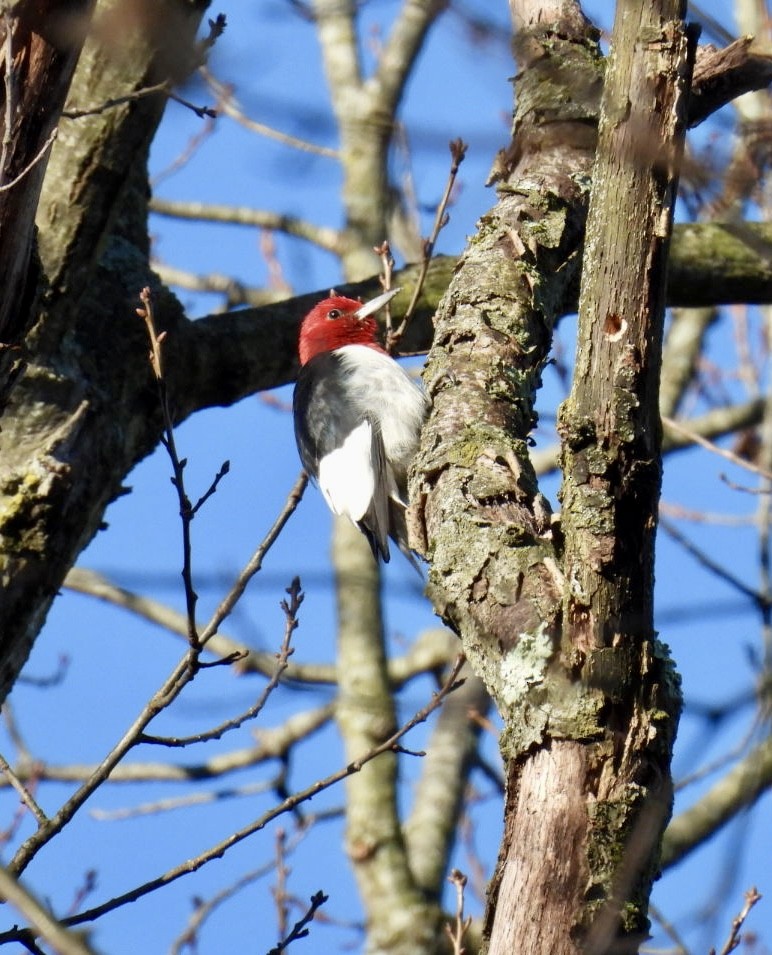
(557, 616)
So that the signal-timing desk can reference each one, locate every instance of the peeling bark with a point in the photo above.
(588, 699)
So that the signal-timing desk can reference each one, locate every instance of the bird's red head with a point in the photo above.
(339, 321)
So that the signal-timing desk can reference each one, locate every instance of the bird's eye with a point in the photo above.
(333, 313)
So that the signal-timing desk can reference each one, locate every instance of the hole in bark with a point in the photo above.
(615, 326)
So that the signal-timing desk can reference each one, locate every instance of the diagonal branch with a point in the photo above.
(738, 789)
(402, 46)
(325, 238)
(290, 803)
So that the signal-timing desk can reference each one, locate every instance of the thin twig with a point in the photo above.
(194, 143)
(84, 891)
(164, 87)
(224, 469)
(669, 929)
(676, 426)
(24, 794)
(299, 929)
(324, 237)
(279, 891)
(187, 511)
(32, 163)
(282, 660)
(182, 802)
(228, 105)
(43, 922)
(256, 561)
(460, 925)
(709, 564)
(752, 896)
(383, 251)
(287, 805)
(458, 150)
(204, 908)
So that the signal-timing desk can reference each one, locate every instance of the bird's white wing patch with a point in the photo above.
(346, 477)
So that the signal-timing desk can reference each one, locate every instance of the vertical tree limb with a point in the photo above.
(40, 44)
(578, 709)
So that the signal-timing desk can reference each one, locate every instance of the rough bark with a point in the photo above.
(74, 422)
(41, 42)
(611, 440)
(588, 700)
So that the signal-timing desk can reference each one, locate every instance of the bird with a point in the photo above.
(358, 418)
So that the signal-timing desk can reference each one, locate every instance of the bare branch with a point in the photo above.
(24, 794)
(713, 424)
(461, 925)
(236, 293)
(43, 923)
(187, 510)
(752, 896)
(335, 22)
(6, 186)
(321, 236)
(282, 658)
(430, 829)
(287, 805)
(165, 87)
(299, 929)
(720, 76)
(431, 650)
(739, 788)
(710, 564)
(403, 45)
(204, 908)
(169, 691)
(458, 150)
(226, 103)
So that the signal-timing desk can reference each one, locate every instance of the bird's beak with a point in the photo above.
(374, 304)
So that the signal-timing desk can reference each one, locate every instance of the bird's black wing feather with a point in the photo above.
(324, 417)
(320, 388)
(375, 524)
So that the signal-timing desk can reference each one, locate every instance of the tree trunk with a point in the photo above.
(558, 619)
(41, 42)
(83, 410)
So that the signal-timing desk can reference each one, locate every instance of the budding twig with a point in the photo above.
(752, 896)
(299, 929)
(461, 925)
(458, 150)
(187, 510)
(383, 251)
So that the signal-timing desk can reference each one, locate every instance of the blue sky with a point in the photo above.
(460, 89)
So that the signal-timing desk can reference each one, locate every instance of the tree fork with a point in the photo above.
(611, 441)
(588, 786)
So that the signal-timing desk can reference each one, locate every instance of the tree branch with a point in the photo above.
(738, 789)
(431, 828)
(325, 238)
(402, 47)
(720, 76)
(290, 803)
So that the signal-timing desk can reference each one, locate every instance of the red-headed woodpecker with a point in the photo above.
(358, 418)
